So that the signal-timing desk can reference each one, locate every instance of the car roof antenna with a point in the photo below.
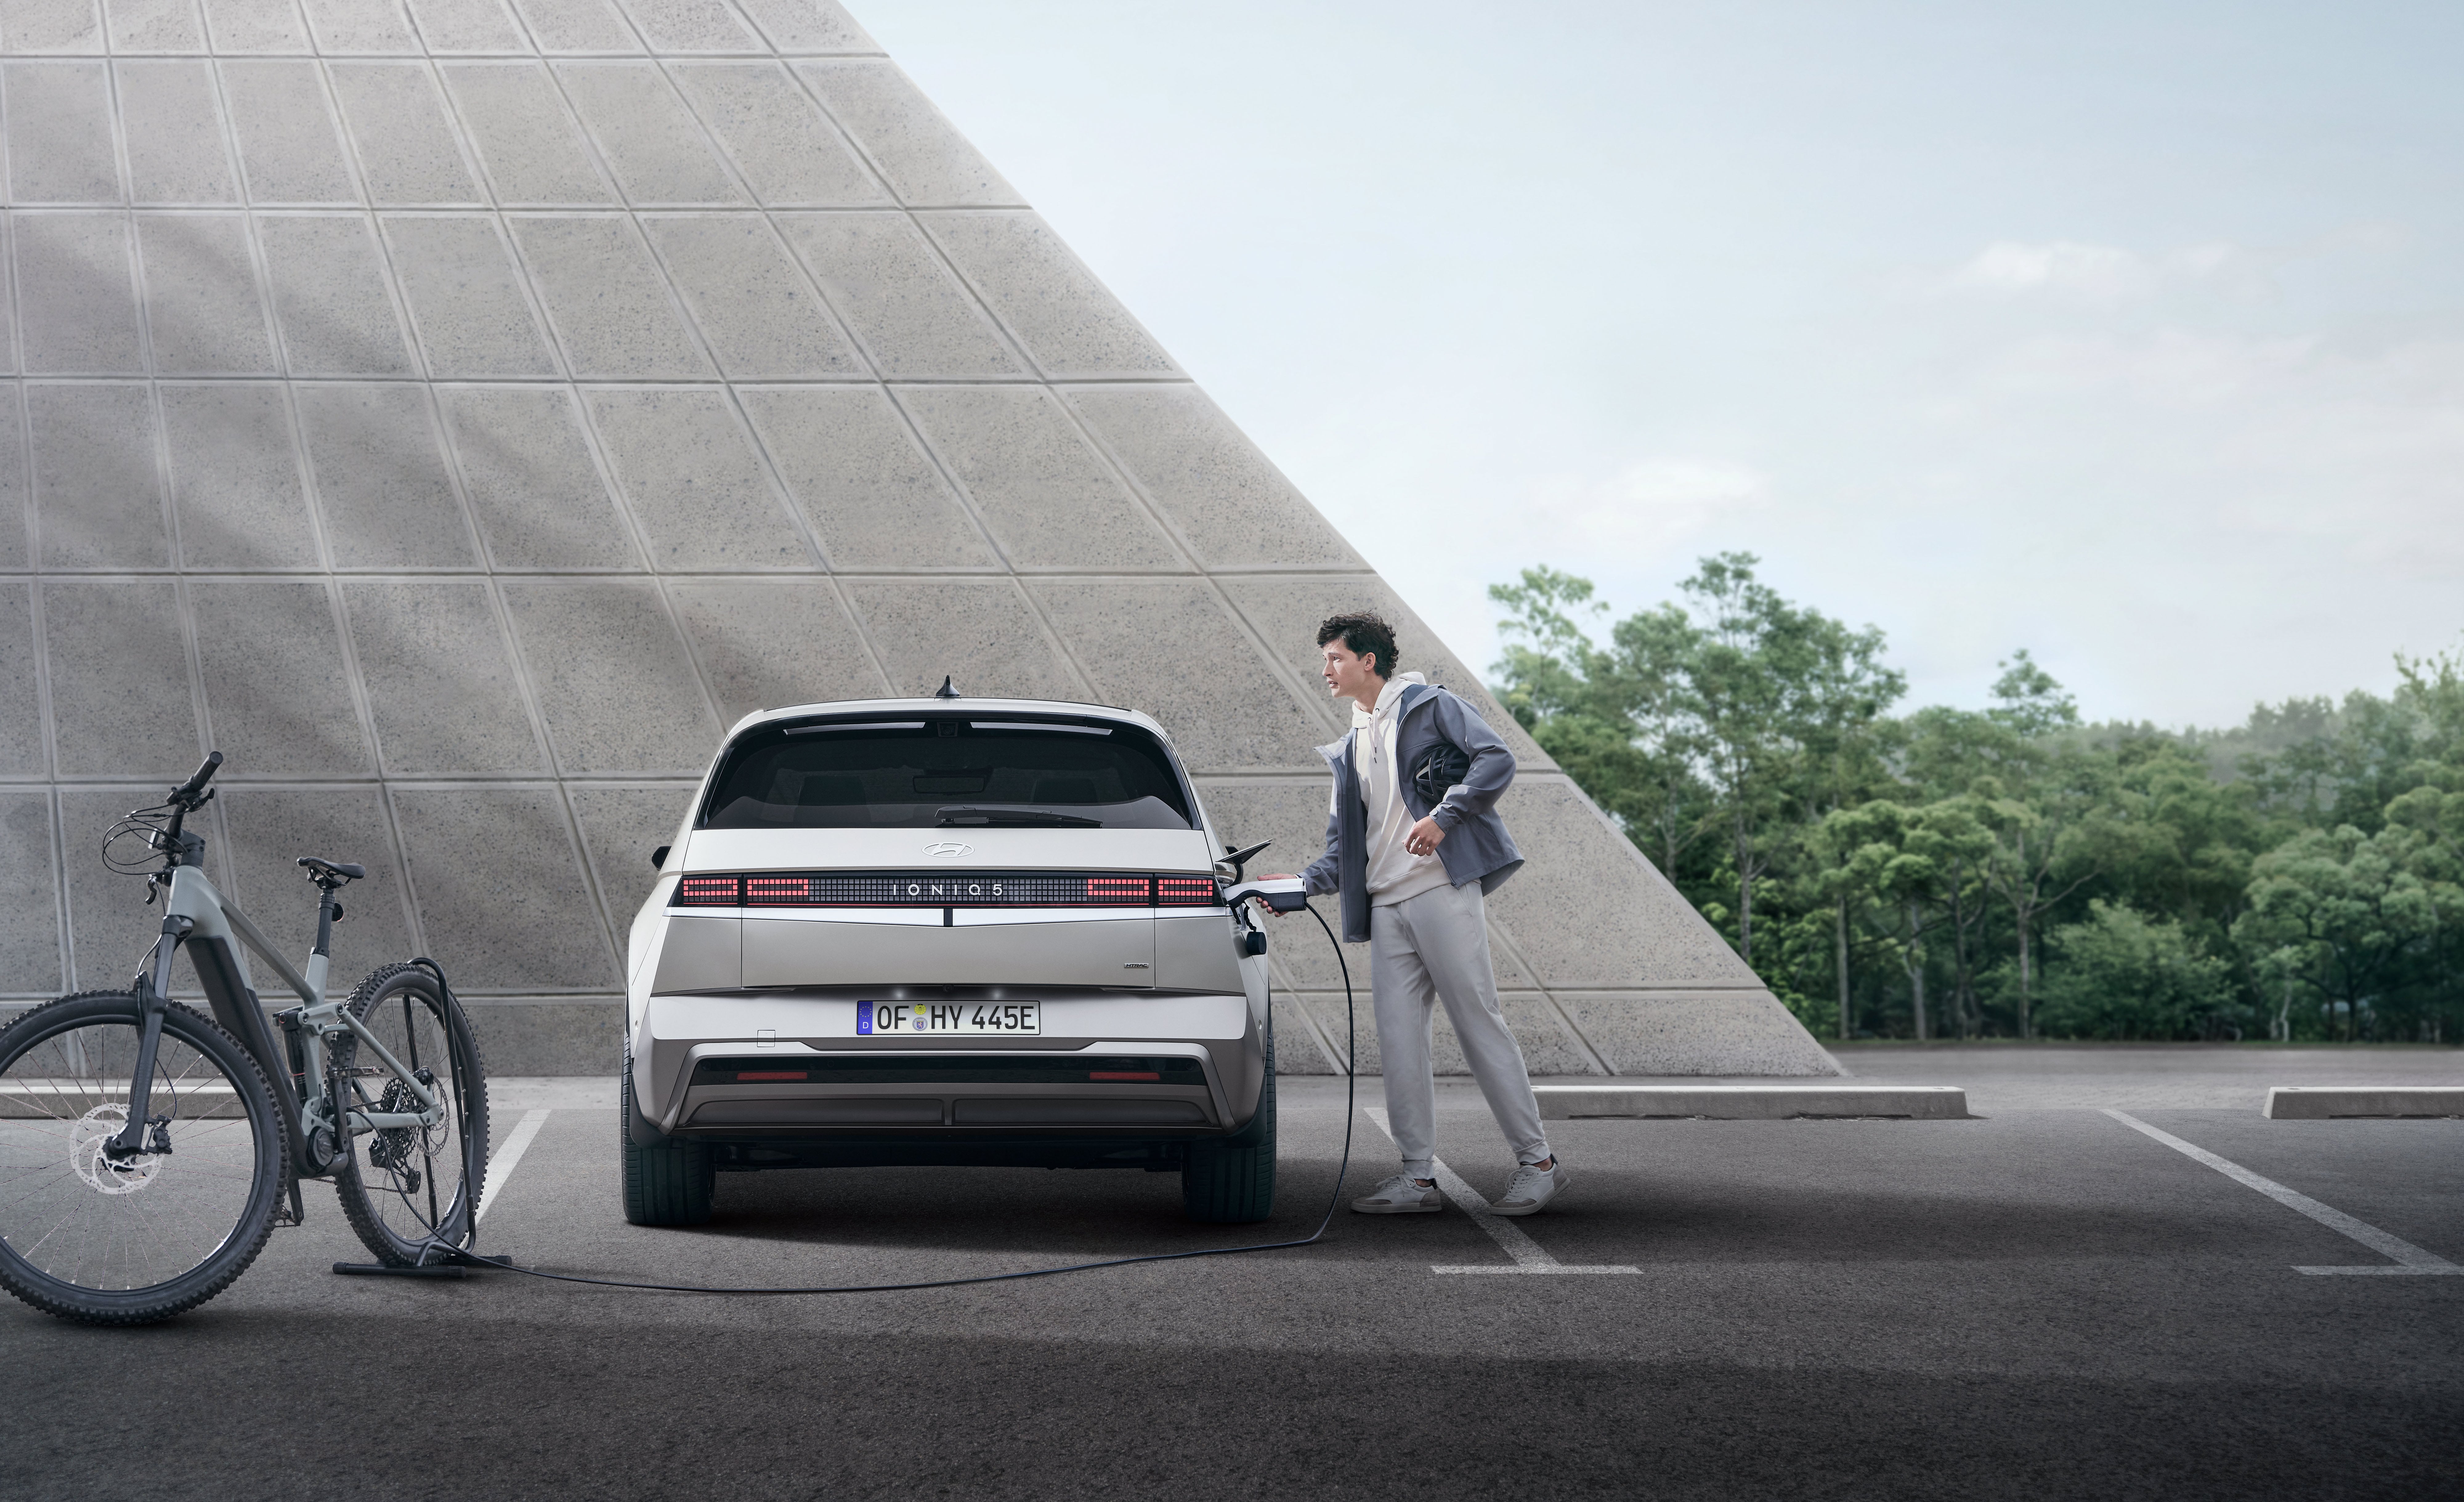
(945, 690)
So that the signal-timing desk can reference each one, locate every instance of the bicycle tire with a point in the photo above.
(104, 1215)
(393, 1204)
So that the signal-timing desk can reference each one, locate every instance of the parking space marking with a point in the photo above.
(1528, 1255)
(2410, 1261)
(501, 1167)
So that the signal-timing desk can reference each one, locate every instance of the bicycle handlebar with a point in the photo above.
(185, 794)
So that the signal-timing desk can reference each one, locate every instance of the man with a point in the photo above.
(1414, 845)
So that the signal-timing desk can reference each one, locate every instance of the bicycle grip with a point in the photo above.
(196, 784)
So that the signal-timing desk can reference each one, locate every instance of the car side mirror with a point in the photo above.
(659, 858)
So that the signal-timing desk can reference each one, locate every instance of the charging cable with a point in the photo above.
(1351, 1092)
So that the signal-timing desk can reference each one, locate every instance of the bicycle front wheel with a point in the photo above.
(407, 1190)
(130, 1241)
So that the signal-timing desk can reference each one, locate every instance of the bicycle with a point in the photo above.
(147, 1151)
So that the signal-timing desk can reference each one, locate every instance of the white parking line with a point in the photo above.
(2410, 1260)
(1525, 1252)
(501, 1167)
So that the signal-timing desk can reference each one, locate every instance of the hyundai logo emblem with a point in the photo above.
(948, 849)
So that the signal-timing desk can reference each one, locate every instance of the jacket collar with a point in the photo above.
(1411, 690)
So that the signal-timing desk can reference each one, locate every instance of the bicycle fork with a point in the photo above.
(153, 1000)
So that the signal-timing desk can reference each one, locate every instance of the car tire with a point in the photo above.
(669, 1183)
(1232, 1183)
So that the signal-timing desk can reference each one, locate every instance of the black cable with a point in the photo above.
(1350, 1094)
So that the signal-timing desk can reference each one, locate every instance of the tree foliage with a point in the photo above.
(2009, 871)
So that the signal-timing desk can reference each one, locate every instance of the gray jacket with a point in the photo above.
(1476, 848)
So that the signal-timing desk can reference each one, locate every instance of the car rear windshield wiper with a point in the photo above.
(959, 813)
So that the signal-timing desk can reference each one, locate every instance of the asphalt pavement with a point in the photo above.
(2041, 1302)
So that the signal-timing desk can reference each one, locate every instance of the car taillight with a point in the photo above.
(776, 891)
(1115, 1074)
(1186, 892)
(710, 892)
(941, 889)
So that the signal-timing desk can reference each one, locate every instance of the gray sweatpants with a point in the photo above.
(1430, 948)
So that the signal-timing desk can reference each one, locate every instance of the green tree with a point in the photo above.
(1620, 720)
(2124, 975)
(2338, 912)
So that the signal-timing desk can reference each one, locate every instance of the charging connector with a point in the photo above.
(1283, 894)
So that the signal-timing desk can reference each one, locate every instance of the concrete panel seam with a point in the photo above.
(1310, 1030)
(676, 304)
(1599, 1060)
(60, 886)
(119, 130)
(780, 490)
(863, 152)
(590, 881)
(407, 328)
(924, 222)
(17, 335)
(1052, 634)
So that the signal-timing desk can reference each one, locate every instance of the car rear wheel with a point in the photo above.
(668, 1183)
(1232, 1183)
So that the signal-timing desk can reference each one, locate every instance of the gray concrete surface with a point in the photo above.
(2327, 1102)
(1752, 1102)
(2159, 1076)
(458, 412)
(2041, 1303)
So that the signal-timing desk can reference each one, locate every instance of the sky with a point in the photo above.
(2129, 334)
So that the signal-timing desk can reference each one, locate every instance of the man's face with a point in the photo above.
(1349, 675)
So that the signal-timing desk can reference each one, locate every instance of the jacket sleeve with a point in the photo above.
(1493, 765)
(1325, 873)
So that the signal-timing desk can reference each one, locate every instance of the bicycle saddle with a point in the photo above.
(317, 865)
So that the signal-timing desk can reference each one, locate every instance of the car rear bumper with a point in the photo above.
(789, 1069)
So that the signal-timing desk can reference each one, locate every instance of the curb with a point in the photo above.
(1754, 1102)
(2323, 1103)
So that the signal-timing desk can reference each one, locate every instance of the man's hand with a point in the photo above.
(1260, 904)
(1423, 838)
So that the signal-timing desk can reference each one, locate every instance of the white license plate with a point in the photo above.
(944, 1018)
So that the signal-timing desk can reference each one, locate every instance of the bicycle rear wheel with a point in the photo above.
(405, 1189)
(130, 1242)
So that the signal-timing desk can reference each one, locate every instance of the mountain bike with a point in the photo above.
(147, 1150)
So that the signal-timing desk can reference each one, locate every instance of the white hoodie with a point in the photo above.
(1395, 873)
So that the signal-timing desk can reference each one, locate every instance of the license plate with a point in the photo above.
(944, 1018)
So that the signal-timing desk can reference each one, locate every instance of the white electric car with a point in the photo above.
(946, 931)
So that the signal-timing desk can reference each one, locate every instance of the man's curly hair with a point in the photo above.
(1365, 633)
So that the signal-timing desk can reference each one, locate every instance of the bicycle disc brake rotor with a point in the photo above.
(102, 1174)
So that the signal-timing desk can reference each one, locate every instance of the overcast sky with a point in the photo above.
(2132, 334)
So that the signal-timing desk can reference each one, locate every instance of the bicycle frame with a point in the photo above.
(218, 937)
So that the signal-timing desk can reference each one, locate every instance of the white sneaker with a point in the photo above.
(1531, 1188)
(1401, 1195)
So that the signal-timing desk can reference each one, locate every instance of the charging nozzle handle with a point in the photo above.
(1283, 894)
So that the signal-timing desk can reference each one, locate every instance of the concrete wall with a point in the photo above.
(457, 412)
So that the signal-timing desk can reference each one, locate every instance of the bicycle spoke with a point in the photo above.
(71, 1213)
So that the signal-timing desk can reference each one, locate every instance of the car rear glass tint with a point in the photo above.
(939, 773)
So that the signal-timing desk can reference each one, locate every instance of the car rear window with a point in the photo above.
(933, 772)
